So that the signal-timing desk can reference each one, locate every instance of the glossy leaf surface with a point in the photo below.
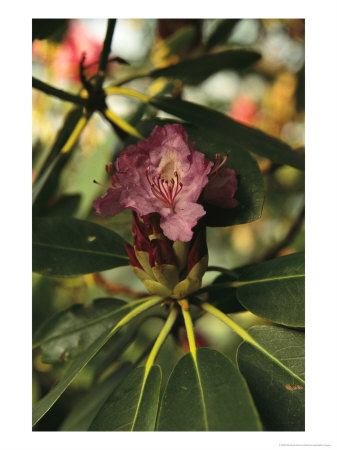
(277, 390)
(221, 33)
(234, 135)
(133, 406)
(195, 70)
(44, 404)
(274, 289)
(209, 395)
(71, 331)
(68, 247)
(224, 298)
(86, 409)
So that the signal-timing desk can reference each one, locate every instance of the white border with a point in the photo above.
(321, 219)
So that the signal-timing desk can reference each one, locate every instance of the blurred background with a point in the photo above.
(268, 96)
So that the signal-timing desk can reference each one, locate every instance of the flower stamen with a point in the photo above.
(218, 164)
(115, 183)
(164, 190)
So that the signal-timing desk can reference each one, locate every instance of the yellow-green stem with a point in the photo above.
(135, 312)
(122, 124)
(74, 135)
(165, 331)
(126, 91)
(190, 333)
(244, 335)
(153, 354)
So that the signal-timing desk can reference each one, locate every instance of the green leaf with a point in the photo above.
(221, 33)
(44, 404)
(44, 28)
(68, 247)
(207, 395)
(48, 174)
(224, 298)
(65, 206)
(277, 391)
(233, 135)
(250, 193)
(178, 43)
(133, 406)
(87, 408)
(71, 331)
(274, 289)
(195, 70)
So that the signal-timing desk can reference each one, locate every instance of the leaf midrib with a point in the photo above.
(195, 360)
(86, 325)
(80, 250)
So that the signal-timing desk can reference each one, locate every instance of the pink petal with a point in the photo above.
(221, 189)
(108, 204)
(178, 224)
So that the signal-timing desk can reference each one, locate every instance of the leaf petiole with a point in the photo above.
(245, 335)
(111, 116)
(190, 332)
(45, 403)
(161, 339)
(126, 91)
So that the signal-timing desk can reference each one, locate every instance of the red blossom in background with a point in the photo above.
(77, 41)
(244, 109)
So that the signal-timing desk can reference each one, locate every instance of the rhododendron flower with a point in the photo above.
(163, 174)
(221, 188)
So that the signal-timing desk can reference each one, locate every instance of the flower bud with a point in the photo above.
(197, 262)
(167, 268)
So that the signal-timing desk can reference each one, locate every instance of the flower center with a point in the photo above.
(164, 190)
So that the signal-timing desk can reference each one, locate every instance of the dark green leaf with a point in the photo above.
(209, 395)
(224, 298)
(44, 28)
(71, 331)
(277, 391)
(195, 70)
(250, 193)
(274, 289)
(133, 406)
(233, 135)
(179, 42)
(43, 405)
(68, 247)
(48, 175)
(221, 33)
(42, 299)
(86, 409)
(65, 206)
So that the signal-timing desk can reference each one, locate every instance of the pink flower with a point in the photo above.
(163, 174)
(221, 188)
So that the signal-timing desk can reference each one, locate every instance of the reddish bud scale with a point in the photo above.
(140, 239)
(132, 255)
(162, 253)
(198, 246)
